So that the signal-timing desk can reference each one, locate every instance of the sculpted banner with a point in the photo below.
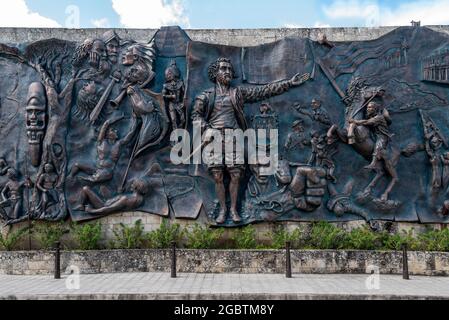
(349, 131)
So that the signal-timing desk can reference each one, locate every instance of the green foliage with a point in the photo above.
(165, 235)
(129, 237)
(397, 240)
(10, 240)
(245, 238)
(362, 239)
(326, 236)
(280, 236)
(47, 234)
(434, 240)
(202, 237)
(87, 235)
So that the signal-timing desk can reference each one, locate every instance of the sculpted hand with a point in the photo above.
(299, 79)
(94, 59)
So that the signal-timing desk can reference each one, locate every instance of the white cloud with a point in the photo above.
(101, 23)
(151, 13)
(429, 12)
(319, 24)
(293, 26)
(17, 14)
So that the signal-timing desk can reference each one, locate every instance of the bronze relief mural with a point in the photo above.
(363, 128)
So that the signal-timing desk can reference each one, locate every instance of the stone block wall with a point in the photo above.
(222, 261)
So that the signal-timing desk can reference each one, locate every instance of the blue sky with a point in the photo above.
(221, 13)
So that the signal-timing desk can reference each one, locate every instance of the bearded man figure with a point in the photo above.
(221, 108)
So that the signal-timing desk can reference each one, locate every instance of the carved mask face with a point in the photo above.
(225, 73)
(36, 112)
(113, 49)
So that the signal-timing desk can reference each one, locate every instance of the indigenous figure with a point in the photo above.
(12, 195)
(108, 153)
(133, 199)
(221, 108)
(46, 184)
(88, 97)
(173, 93)
(36, 121)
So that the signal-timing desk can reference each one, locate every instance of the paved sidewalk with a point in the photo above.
(158, 286)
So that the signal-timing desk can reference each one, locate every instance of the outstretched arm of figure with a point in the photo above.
(298, 107)
(369, 122)
(260, 93)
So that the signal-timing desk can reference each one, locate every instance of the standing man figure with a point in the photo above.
(221, 108)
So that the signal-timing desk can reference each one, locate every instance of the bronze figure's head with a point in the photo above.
(172, 73)
(316, 104)
(49, 168)
(139, 59)
(112, 42)
(372, 109)
(222, 71)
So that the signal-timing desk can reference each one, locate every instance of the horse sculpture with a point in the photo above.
(361, 139)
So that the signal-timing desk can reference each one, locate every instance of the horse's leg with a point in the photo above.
(379, 175)
(335, 131)
(352, 133)
(394, 179)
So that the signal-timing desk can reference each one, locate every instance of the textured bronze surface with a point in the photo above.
(363, 128)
